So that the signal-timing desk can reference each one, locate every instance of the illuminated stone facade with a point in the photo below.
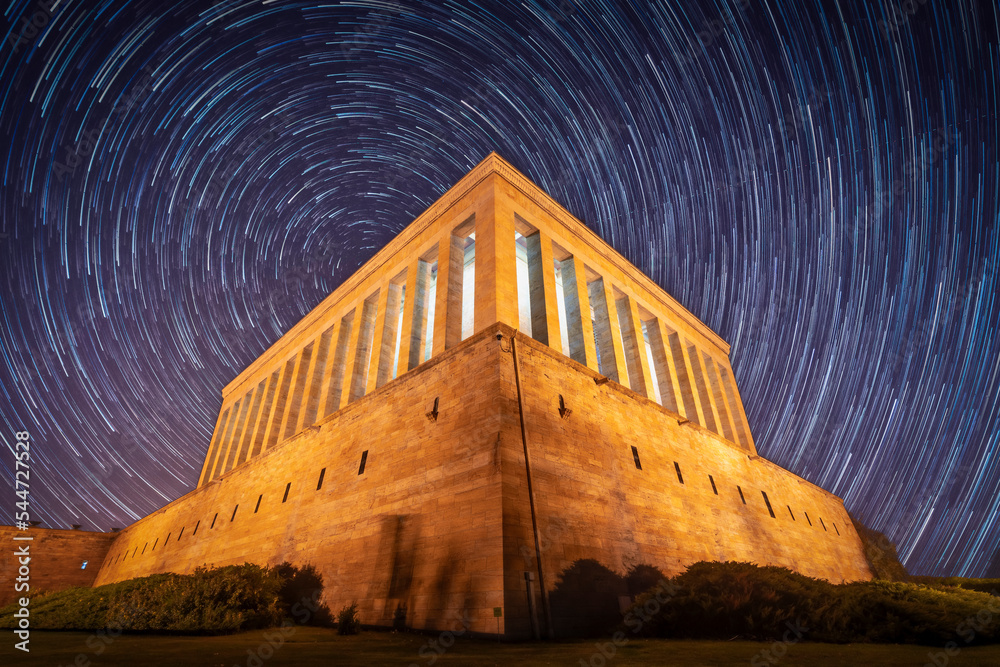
(495, 401)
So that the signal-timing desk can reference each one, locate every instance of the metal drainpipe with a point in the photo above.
(531, 494)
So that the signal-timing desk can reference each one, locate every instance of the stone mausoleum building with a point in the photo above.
(495, 408)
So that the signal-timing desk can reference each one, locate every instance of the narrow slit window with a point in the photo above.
(134, 550)
(741, 495)
(166, 540)
(714, 490)
(234, 514)
(213, 520)
(807, 518)
(319, 484)
(257, 506)
(143, 553)
(84, 566)
(180, 534)
(835, 528)
(154, 544)
(821, 523)
(790, 512)
(768, 503)
(364, 459)
(677, 469)
(287, 487)
(635, 457)
(195, 531)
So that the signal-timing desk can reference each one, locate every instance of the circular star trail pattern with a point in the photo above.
(816, 181)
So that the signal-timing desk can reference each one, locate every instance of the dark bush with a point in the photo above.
(348, 622)
(209, 601)
(742, 600)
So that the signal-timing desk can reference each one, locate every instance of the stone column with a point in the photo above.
(335, 394)
(448, 303)
(728, 428)
(542, 291)
(386, 328)
(319, 378)
(303, 372)
(246, 446)
(273, 436)
(411, 345)
(666, 375)
(634, 346)
(496, 258)
(234, 443)
(609, 338)
(692, 381)
(359, 350)
(213, 449)
(265, 413)
(579, 327)
(708, 410)
(739, 413)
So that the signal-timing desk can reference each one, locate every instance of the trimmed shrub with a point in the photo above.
(209, 601)
(741, 600)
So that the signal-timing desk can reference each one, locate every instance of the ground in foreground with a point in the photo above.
(315, 646)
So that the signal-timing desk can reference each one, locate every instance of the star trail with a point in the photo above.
(817, 181)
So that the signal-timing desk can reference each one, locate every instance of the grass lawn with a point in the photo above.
(314, 646)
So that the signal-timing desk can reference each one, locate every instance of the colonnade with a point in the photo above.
(492, 266)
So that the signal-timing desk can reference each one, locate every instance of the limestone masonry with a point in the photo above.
(497, 414)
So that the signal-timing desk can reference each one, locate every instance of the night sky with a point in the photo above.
(816, 181)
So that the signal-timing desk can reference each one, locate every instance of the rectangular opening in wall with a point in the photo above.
(213, 521)
(561, 300)
(234, 514)
(790, 512)
(677, 469)
(741, 495)
(523, 284)
(143, 552)
(167, 540)
(364, 459)
(399, 334)
(429, 310)
(807, 518)
(821, 523)
(635, 457)
(319, 484)
(257, 506)
(469, 286)
(768, 503)
(714, 490)
(180, 535)
(195, 531)
(835, 528)
(135, 550)
(287, 487)
(155, 542)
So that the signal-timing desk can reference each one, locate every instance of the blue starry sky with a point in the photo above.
(817, 181)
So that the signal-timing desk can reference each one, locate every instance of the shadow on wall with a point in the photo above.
(589, 599)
